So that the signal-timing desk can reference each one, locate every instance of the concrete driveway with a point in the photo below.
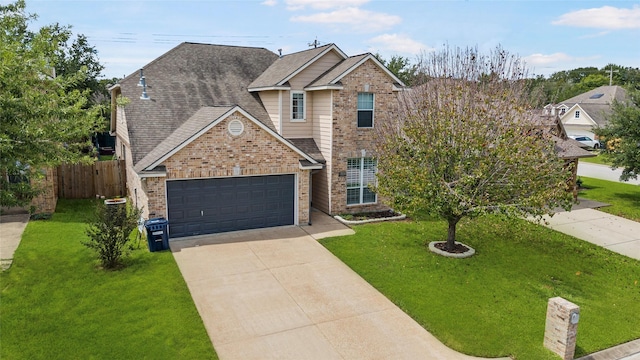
(278, 294)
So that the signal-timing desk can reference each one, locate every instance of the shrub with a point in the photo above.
(109, 232)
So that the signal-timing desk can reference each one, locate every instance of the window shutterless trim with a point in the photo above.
(304, 106)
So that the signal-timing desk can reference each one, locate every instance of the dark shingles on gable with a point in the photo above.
(185, 79)
(286, 65)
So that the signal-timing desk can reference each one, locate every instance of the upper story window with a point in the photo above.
(562, 111)
(577, 114)
(298, 106)
(365, 110)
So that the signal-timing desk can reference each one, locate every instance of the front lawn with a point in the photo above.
(57, 303)
(624, 198)
(494, 303)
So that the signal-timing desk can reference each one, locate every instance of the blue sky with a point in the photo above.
(550, 35)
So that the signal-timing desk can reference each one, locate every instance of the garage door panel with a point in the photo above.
(206, 206)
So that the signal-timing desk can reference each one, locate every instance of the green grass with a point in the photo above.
(624, 198)
(600, 159)
(494, 303)
(58, 304)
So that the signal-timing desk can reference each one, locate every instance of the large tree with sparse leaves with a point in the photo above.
(622, 136)
(467, 143)
(45, 120)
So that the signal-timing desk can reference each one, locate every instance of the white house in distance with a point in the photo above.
(581, 114)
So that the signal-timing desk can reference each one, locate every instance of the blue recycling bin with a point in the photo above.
(157, 236)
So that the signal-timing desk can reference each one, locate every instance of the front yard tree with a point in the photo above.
(44, 119)
(466, 143)
(622, 136)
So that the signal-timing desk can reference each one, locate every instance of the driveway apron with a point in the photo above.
(278, 294)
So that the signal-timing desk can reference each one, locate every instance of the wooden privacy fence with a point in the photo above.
(104, 178)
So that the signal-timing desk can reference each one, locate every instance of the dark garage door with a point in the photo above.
(208, 206)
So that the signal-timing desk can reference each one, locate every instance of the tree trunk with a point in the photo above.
(451, 234)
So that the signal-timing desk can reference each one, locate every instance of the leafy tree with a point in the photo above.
(622, 136)
(45, 120)
(467, 144)
(109, 232)
(401, 67)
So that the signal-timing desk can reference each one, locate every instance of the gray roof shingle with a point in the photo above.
(185, 79)
(334, 73)
(310, 147)
(278, 73)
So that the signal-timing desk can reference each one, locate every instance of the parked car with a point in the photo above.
(587, 142)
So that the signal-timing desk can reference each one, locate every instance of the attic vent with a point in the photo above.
(596, 96)
(236, 127)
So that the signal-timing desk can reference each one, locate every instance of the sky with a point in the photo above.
(549, 35)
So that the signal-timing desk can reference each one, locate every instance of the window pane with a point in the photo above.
(353, 196)
(368, 196)
(365, 118)
(365, 101)
(297, 106)
(353, 173)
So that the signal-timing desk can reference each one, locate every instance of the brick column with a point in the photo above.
(561, 327)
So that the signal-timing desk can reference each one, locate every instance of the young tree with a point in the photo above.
(622, 136)
(109, 232)
(467, 144)
(45, 120)
(401, 67)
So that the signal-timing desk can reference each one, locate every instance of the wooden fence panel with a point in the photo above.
(105, 178)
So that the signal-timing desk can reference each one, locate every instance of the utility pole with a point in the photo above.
(611, 71)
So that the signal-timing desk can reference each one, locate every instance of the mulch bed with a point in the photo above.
(371, 215)
(457, 249)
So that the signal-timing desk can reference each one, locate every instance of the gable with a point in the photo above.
(216, 152)
(202, 123)
(332, 78)
(568, 118)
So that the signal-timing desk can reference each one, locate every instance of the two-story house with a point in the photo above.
(222, 138)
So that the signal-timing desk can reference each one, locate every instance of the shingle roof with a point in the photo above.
(310, 147)
(334, 73)
(187, 130)
(185, 79)
(570, 149)
(282, 69)
(609, 93)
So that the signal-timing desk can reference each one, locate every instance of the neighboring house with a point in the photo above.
(221, 138)
(584, 112)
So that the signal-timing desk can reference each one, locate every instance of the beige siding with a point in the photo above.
(272, 105)
(322, 125)
(292, 129)
(298, 129)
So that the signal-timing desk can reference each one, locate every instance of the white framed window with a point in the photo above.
(365, 109)
(361, 172)
(298, 105)
(577, 114)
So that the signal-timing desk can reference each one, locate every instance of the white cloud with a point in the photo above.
(399, 43)
(545, 60)
(606, 17)
(322, 4)
(358, 19)
(269, 3)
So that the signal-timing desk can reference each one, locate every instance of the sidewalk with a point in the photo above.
(11, 228)
(609, 231)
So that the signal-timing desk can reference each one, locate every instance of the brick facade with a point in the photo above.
(217, 153)
(349, 141)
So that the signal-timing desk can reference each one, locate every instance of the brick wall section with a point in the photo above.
(559, 333)
(216, 153)
(348, 139)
